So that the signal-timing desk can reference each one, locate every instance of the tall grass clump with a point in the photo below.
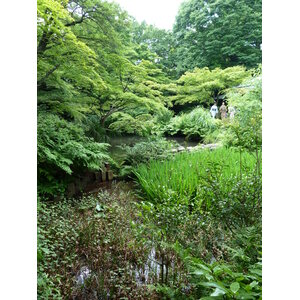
(180, 177)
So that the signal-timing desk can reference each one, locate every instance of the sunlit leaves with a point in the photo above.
(201, 86)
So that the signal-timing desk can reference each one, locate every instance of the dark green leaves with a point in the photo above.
(218, 34)
(63, 149)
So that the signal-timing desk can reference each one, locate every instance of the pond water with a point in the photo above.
(154, 268)
(117, 141)
(151, 270)
(131, 140)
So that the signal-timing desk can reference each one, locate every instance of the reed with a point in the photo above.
(179, 177)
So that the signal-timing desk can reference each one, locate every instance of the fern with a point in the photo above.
(62, 149)
(195, 124)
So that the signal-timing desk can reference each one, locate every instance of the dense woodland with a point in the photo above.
(172, 225)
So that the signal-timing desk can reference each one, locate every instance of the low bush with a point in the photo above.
(234, 201)
(221, 280)
(63, 149)
(245, 130)
(194, 125)
(142, 152)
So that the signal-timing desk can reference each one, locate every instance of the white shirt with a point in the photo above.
(214, 110)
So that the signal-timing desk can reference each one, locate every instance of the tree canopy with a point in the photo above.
(218, 33)
(202, 86)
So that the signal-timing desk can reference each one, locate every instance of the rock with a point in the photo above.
(209, 146)
(181, 148)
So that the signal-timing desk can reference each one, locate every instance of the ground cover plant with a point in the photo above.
(94, 233)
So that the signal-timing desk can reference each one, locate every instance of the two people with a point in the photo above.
(223, 111)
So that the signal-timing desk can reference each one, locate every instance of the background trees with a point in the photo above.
(218, 33)
(158, 41)
(209, 34)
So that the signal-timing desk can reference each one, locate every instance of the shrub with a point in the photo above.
(194, 125)
(125, 123)
(245, 130)
(211, 281)
(233, 201)
(62, 150)
(150, 149)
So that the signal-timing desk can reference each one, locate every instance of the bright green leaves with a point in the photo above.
(66, 67)
(179, 177)
(156, 45)
(234, 287)
(195, 124)
(224, 283)
(202, 85)
(136, 96)
(245, 130)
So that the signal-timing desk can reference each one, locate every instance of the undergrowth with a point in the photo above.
(93, 232)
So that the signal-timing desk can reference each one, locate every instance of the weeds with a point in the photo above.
(96, 233)
(199, 224)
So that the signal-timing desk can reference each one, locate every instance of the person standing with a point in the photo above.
(231, 111)
(223, 111)
(214, 110)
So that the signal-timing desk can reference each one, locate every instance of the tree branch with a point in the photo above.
(41, 81)
(109, 113)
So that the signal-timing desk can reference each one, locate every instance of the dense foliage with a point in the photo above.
(245, 131)
(218, 34)
(153, 148)
(63, 149)
(186, 225)
(203, 86)
(181, 177)
(93, 233)
(88, 67)
(195, 124)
